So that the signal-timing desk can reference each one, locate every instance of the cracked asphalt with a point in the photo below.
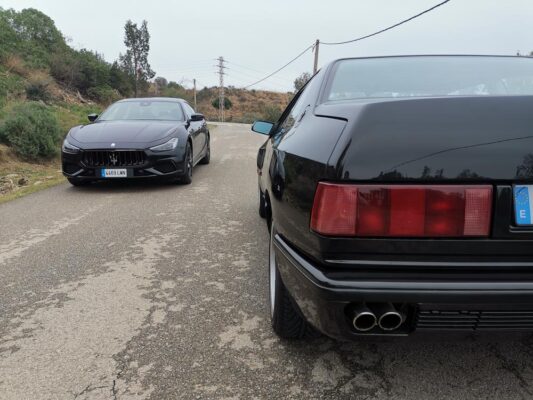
(159, 291)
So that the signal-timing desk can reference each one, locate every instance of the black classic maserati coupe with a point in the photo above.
(399, 196)
(138, 138)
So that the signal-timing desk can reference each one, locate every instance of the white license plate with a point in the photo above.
(523, 204)
(114, 173)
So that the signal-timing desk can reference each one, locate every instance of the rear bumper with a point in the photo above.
(156, 165)
(325, 301)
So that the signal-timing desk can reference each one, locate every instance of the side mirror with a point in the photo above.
(92, 117)
(262, 127)
(197, 117)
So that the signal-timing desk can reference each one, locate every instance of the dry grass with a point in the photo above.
(15, 64)
(245, 103)
(34, 177)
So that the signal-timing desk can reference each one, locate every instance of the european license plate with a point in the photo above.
(114, 173)
(523, 204)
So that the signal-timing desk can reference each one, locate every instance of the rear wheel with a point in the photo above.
(287, 319)
(207, 157)
(262, 205)
(78, 182)
(187, 175)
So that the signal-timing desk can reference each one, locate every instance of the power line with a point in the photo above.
(252, 77)
(279, 69)
(315, 47)
(256, 70)
(388, 28)
(241, 83)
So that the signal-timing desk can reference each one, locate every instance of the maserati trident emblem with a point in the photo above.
(113, 159)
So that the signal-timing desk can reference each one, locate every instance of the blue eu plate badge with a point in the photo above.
(523, 196)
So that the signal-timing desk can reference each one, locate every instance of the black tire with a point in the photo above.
(262, 205)
(186, 178)
(287, 320)
(78, 182)
(207, 157)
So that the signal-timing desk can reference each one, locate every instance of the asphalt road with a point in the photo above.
(135, 291)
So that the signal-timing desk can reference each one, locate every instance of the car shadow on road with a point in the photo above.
(130, 186)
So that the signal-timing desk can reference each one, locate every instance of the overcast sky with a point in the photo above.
(257, 37)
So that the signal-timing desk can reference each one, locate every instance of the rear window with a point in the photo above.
(391, 77)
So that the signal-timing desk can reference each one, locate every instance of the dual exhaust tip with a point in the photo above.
(383, 315)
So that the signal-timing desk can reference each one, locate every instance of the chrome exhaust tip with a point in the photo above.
(363, 319)
(390, 319)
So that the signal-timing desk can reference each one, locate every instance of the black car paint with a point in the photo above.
(139, 135)
(486, 140)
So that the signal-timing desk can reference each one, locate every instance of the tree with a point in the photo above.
(135, 61)
(120, 80)
(301, 80)
(161, 82)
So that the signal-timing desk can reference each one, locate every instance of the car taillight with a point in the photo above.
(402, 210)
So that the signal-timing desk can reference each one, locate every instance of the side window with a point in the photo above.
(300, 106)
(188, 110)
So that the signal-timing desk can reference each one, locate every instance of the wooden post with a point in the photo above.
(315, 66)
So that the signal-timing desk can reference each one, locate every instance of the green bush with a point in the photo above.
(10, 86)
(32, 130)
(103, 94)
(227, 103)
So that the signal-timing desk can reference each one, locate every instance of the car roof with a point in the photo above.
(430, 55)
(167, 99)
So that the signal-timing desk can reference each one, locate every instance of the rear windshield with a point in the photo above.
(143, 110)
(431, 76)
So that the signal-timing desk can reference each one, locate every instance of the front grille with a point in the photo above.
(112, 158)
(481, 320)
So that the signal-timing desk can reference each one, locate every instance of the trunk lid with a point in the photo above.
(433, 139)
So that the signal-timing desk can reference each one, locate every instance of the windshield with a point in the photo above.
(431, 76)
(143, 110)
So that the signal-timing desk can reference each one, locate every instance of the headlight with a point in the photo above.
(70, 148)
(170, 145)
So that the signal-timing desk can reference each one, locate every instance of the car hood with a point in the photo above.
(121, 132)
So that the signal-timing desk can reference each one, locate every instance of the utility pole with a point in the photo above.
(194, 93)
(315, 65)
(221, 96)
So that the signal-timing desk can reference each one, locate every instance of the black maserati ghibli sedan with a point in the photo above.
(399, 196)
(137, 138)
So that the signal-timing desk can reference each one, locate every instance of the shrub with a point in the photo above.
(11, 86)
(32, 130)
(248, 118)
(227, 103)
(103, 94)
(271, 113)
(38, 87)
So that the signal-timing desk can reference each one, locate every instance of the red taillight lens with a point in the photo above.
(334, 210)
(402, 210)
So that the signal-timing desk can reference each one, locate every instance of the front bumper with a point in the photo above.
(153, 164)
(429, 305)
